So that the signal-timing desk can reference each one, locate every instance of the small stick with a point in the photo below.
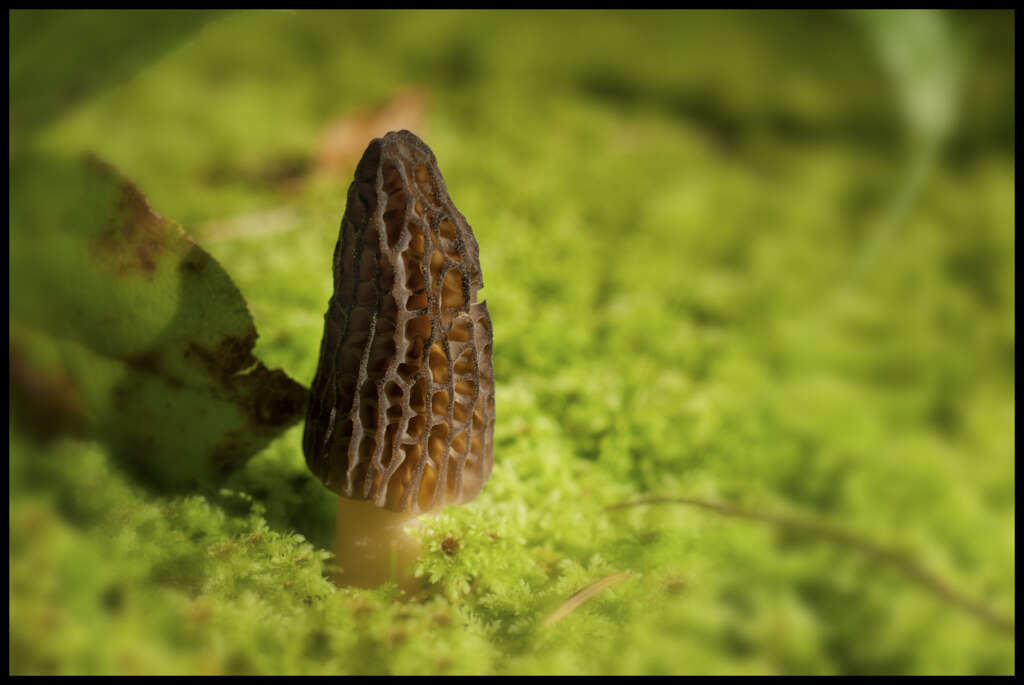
(887, 555)
(583, 595)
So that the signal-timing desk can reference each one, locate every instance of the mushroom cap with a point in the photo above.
(402, 406)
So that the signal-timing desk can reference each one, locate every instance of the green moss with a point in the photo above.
(675, 214)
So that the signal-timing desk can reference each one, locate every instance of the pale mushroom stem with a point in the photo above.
(373, 547)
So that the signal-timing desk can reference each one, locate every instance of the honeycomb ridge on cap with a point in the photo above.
(402, 406)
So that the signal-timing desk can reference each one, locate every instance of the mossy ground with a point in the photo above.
(700, 288)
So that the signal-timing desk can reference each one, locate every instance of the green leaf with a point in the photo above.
(124, 328)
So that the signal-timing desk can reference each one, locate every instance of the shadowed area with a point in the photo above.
(78, 53)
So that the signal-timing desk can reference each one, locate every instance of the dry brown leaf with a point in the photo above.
(584, 595)
(344, 140)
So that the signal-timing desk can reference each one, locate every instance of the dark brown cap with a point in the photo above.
(402, 406)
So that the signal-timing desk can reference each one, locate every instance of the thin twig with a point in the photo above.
(892, 556)
(583, 595)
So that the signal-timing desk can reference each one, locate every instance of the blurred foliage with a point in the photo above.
(122, 328)
(717, 267)
(60, 58)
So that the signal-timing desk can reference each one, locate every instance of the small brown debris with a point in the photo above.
(584, 595)
(343, 140)
(450, 546)
(674, 586)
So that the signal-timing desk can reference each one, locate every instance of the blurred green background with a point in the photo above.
(757, 259)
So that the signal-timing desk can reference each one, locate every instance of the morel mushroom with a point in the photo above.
(401, 414)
